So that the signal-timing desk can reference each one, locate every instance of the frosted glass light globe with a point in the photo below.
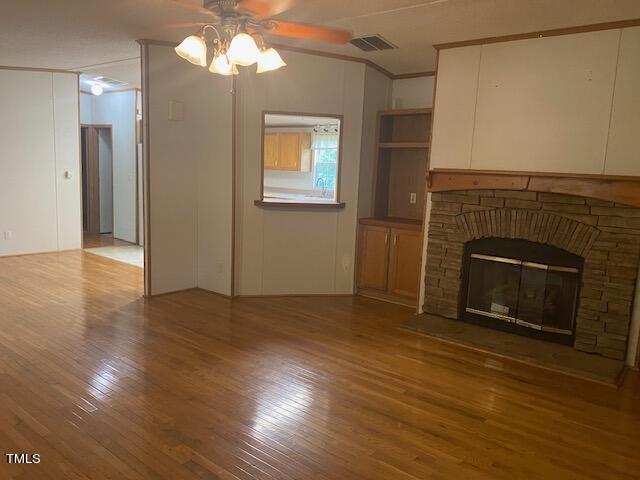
(194, 50)
(270, 60)
(243, 50)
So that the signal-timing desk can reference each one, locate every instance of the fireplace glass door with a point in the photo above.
(528, 294)
(496, 284)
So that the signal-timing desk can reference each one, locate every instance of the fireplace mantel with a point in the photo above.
(619, 189)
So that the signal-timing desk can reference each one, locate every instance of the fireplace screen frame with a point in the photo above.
(522, 254)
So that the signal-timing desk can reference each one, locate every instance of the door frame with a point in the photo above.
(93, 152)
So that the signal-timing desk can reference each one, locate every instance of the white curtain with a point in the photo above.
(324, 140)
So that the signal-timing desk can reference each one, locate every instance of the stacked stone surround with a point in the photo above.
(605, 234)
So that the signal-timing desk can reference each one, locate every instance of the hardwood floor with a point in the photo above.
(94, 240)
(104, 384)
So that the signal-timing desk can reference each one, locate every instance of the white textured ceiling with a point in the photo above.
(70, 34)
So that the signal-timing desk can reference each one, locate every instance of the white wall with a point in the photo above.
(555, 104)
(293, 180)
(623, 149)
(140, 163)
(413, 92)
(190, 171)
(40, 141)
(105, 161)
(118, 110)
(284, 251)
(86, 108)
(213, 139)
(455, 107)
(277, 250)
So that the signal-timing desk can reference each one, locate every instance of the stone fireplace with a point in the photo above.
(558, 267)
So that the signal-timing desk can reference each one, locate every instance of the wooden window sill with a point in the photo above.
(300, 205)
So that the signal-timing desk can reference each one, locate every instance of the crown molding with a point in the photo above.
(404, 76)
(594, 27)
(35, 69)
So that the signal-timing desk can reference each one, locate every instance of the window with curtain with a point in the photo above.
(300, 159)
(325, 161)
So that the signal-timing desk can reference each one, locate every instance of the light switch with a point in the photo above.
(176, 111)
(413, 198)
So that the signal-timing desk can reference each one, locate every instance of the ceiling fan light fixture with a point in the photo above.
(222, 66)
(270, 60)
(243, 50)
(194, 50)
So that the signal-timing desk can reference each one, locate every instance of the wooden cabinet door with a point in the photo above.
(271, 151)
(289, 158)
(404, 262)
(373, 257)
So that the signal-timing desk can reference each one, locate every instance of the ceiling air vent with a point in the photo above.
(372, 43)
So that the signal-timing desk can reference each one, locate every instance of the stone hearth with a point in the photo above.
(605, 234)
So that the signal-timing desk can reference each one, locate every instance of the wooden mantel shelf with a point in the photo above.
(613, 188)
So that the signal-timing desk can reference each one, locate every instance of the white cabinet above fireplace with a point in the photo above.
(565, 104)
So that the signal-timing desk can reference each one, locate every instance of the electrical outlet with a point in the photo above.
(413, 198)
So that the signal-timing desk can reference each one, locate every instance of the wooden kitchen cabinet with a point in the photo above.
(271, 151)
(288, 151)
(289, 158)
(404, 262)
(373, 258)
(389, 259)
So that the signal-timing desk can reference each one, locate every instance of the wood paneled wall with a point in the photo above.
(285, 251)
(564, 104)
(190, 175)
(40, 138)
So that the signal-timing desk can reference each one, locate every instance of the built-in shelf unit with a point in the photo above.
(401, 163)
(390, 243)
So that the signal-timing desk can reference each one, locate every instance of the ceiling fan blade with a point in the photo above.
(310, 32)
(266, 8)
(192, 6)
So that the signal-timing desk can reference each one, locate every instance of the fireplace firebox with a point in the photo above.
(522, 287)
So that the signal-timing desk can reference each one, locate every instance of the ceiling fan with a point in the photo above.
(238, 26)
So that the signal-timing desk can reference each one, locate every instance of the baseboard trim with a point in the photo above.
(183, 290)
(229, 297)
(385, 297)
(46, 252)
(296, 295)
(217, 294)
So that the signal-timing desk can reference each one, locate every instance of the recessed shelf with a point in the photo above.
(404, 145)
(298, 204)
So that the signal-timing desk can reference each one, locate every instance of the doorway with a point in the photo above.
(99, 197)
(97, 185)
